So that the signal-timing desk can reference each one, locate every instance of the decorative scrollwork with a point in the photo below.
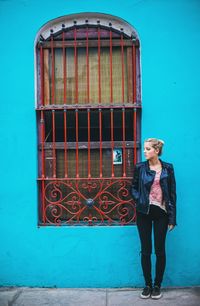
(91, 202)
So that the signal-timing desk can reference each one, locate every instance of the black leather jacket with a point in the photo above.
(143, 178)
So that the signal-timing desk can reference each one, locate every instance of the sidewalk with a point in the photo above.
(24, 296)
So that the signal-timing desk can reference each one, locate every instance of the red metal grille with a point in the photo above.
(89, 125)
(91, 202)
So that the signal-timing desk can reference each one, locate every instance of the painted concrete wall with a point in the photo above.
(100, 257)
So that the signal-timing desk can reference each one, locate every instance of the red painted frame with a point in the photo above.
(67, 192)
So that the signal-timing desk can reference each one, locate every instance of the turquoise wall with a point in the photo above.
(100, 256)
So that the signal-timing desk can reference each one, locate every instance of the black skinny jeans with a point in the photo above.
(158, 219)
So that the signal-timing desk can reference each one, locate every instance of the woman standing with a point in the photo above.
(154, 192)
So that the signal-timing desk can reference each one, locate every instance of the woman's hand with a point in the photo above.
(170, 227)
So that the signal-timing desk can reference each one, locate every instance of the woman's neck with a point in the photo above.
(154, 162)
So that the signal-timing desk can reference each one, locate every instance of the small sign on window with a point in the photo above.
(117, 156)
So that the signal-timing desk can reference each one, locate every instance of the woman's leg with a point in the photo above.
(144, 225)
(160, 231)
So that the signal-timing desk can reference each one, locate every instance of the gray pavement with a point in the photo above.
(24, 296)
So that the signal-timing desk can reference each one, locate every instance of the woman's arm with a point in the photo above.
(135, 183)
(172, 194)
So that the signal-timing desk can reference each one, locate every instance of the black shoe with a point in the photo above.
(146, 293)
(156, 293)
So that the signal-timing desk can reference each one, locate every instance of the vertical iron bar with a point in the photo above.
(53, 71)
(134, 74)
(124, 146)
(77, 155)
(135, 135)
(99, 63)
(43, 203)
(54, 143)
(88, 68)
(112, 140)
(122, 59)
(89, 166)
(111, 102)
(76, 66)
(65, 142)
(43, 165)
(135, 109)
(64, 69)
(100, 140)
(41, 76)
(111, 70)
(42, 142)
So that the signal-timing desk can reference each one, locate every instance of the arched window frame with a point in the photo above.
(44, 38)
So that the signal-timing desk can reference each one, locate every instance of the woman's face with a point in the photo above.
(149, 151)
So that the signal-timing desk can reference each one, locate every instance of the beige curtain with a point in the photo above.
(82, 76)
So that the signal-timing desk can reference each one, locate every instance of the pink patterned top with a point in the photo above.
(155, 196)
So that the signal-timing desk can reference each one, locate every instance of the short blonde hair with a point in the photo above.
(156, 144)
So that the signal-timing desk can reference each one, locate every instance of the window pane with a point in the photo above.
(59, 87)
(70, 76)
(83, 154)
(105, 74)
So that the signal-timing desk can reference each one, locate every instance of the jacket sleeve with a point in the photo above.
(172, 193)
(135, 183)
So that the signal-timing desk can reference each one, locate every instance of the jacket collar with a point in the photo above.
(147, 165)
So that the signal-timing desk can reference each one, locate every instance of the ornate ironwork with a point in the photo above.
(88, 202)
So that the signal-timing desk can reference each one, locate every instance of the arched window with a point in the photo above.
(88, 114)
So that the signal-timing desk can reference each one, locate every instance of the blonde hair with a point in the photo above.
(156, 144)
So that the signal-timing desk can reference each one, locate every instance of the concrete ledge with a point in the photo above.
(8, 295)
(25, 296)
